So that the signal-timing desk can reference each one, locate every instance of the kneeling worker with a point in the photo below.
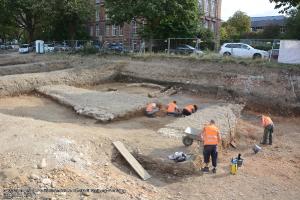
(188, 110)
(151, 109)
(211, 137)
(172, 109)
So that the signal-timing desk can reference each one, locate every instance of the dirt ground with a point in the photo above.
(79, 154)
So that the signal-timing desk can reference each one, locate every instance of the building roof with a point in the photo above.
(268, 20)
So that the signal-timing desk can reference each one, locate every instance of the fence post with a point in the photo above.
(169, 45)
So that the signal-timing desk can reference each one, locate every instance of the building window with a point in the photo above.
(206, 7)
(107, 30)
(97, 15)
(205, 23)
(97, 30)
(213, 27)
(213, 8)
(200, 5)
(91, 31)
(134, 27)
(114, 30)
(120, 30)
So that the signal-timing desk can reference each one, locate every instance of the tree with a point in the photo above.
(67, 19)
(236, 27)
(286, 4)
(271, 32)
(228, 32)
(293, 25)
(160, 19)
(27, 14)
(47, 19)
(7, 25)
(240, 22)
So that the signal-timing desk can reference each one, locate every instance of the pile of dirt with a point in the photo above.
(103, 106)
(225, 116)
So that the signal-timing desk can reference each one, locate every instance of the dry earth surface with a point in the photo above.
(46, 145)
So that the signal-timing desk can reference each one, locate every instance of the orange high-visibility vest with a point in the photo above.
(210, 135)
(150, 107)
(190, 108)
(266, 121)
(171, 107)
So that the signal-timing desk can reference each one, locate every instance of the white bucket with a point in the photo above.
(256, 148)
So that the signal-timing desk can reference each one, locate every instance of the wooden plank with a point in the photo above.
(132, 161)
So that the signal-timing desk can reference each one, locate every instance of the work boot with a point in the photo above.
(205, 169)
(214, 170)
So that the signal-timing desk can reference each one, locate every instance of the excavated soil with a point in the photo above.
(45, 145)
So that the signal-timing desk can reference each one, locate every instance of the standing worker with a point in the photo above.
(151, 109)
(211, 137)
(172, 109)
(189, 109)
(268, 125)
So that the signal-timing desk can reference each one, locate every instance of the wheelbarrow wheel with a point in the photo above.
(187, 141)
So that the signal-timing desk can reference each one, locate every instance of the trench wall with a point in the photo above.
(261, 89)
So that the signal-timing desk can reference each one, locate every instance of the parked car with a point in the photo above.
(242, 50)
(25, 48)
(185, 49)
(49, 48)
(62, 47)
(116, 47)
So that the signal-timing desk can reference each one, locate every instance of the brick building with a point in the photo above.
(211, 10)
(101, 29)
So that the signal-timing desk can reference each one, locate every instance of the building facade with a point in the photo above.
(259, 23)
(211, 12)
(103, 30)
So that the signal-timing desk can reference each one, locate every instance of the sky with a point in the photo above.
(253, 8)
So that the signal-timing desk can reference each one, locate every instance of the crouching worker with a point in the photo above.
(188, 110)
(211, 137)
(151, 109)
(172, 109)
(268, 125)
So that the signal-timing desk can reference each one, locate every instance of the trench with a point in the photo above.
(252, 102)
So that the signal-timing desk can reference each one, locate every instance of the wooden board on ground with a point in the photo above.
(132, 161)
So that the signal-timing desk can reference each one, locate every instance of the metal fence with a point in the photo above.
(172, 46)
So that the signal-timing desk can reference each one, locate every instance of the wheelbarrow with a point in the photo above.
(191, 134)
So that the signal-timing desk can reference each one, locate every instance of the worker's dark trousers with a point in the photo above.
(268, 132)
(210, 151)
(185, 112)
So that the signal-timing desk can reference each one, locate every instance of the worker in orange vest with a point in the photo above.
(172, 109)
(268, 125)
(151, 109)
(211, 137)
(189, 109)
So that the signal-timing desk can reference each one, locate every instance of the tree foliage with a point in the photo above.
(293, 25)
(240, 21)
(285, 5)
(7, 26)
(236, 26)
(67, 19)
(160, 18)
(55, 19)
